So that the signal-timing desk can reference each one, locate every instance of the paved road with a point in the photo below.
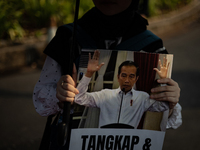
(185, 45)
(21, 127)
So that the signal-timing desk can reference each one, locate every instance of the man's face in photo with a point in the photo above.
(127, 77)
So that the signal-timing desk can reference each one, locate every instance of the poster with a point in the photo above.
(129, 112)
(115, 139)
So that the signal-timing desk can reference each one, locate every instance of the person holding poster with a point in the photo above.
(108, 24)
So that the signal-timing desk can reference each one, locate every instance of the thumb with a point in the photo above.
(101, 65)
(156, 69)
(76, 91)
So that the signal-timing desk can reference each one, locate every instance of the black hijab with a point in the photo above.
(123, 25)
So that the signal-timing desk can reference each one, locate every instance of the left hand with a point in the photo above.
(163, 68)
(170, 92)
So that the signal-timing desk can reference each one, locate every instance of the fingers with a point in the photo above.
(170, 92)
(67, 80)
(168, 65)
(66, 90)
(160, 63)
(65, 97)
(168, 81)
(164, 62)
(89, 56)
(165, 96)
(96, 55)
(66, 87)
(166, 88)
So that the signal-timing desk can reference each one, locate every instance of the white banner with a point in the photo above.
(116, 139)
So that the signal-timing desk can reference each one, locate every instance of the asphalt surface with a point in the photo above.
(21, 128)
(185, 45)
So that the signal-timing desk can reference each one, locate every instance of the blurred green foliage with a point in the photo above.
(37, 13)
(10, 14)
(158, 7)
(19, 17)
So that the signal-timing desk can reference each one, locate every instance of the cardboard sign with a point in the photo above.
(116, 139)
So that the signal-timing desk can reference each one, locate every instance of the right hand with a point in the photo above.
(93, 64)
(66, 90)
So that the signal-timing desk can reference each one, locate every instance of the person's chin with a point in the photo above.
(108, 2)
(109, 9)
(108, 5)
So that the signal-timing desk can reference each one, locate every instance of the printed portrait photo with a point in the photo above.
(114, 88)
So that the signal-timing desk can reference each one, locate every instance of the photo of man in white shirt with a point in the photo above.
(123, 105)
